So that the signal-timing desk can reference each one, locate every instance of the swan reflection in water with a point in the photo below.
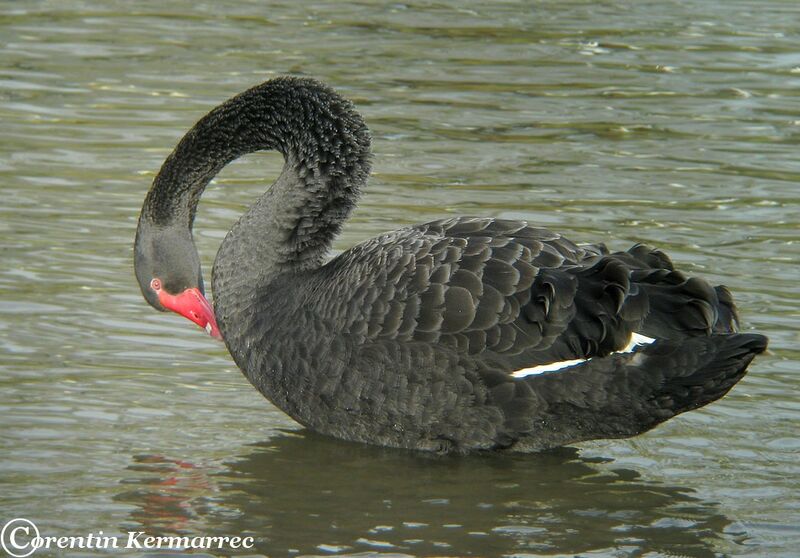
(302, 493)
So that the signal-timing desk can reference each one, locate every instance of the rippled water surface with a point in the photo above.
(672, 123)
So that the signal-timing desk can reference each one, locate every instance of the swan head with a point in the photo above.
(168, 271)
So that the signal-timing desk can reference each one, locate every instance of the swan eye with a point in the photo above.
(155, 284)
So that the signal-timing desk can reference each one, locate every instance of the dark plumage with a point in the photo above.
(410, 339)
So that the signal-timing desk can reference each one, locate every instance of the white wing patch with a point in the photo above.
(636, 340)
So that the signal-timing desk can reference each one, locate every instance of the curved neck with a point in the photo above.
(326, 148)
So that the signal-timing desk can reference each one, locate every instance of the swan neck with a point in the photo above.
(326, 148)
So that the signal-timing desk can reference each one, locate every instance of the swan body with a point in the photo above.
(460, 334)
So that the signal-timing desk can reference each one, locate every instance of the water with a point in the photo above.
(672, 123)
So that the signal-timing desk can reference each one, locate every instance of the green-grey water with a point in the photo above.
(675, 123)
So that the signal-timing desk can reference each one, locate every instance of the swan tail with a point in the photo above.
(623, 395)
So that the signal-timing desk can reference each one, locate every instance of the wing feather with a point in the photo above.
(506, 291)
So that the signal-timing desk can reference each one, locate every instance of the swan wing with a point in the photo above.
(493, 288)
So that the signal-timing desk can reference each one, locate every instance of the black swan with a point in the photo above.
(460, 334)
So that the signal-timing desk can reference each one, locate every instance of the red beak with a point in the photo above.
(191, 304)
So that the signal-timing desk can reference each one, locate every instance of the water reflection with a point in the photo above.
(302, 493)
